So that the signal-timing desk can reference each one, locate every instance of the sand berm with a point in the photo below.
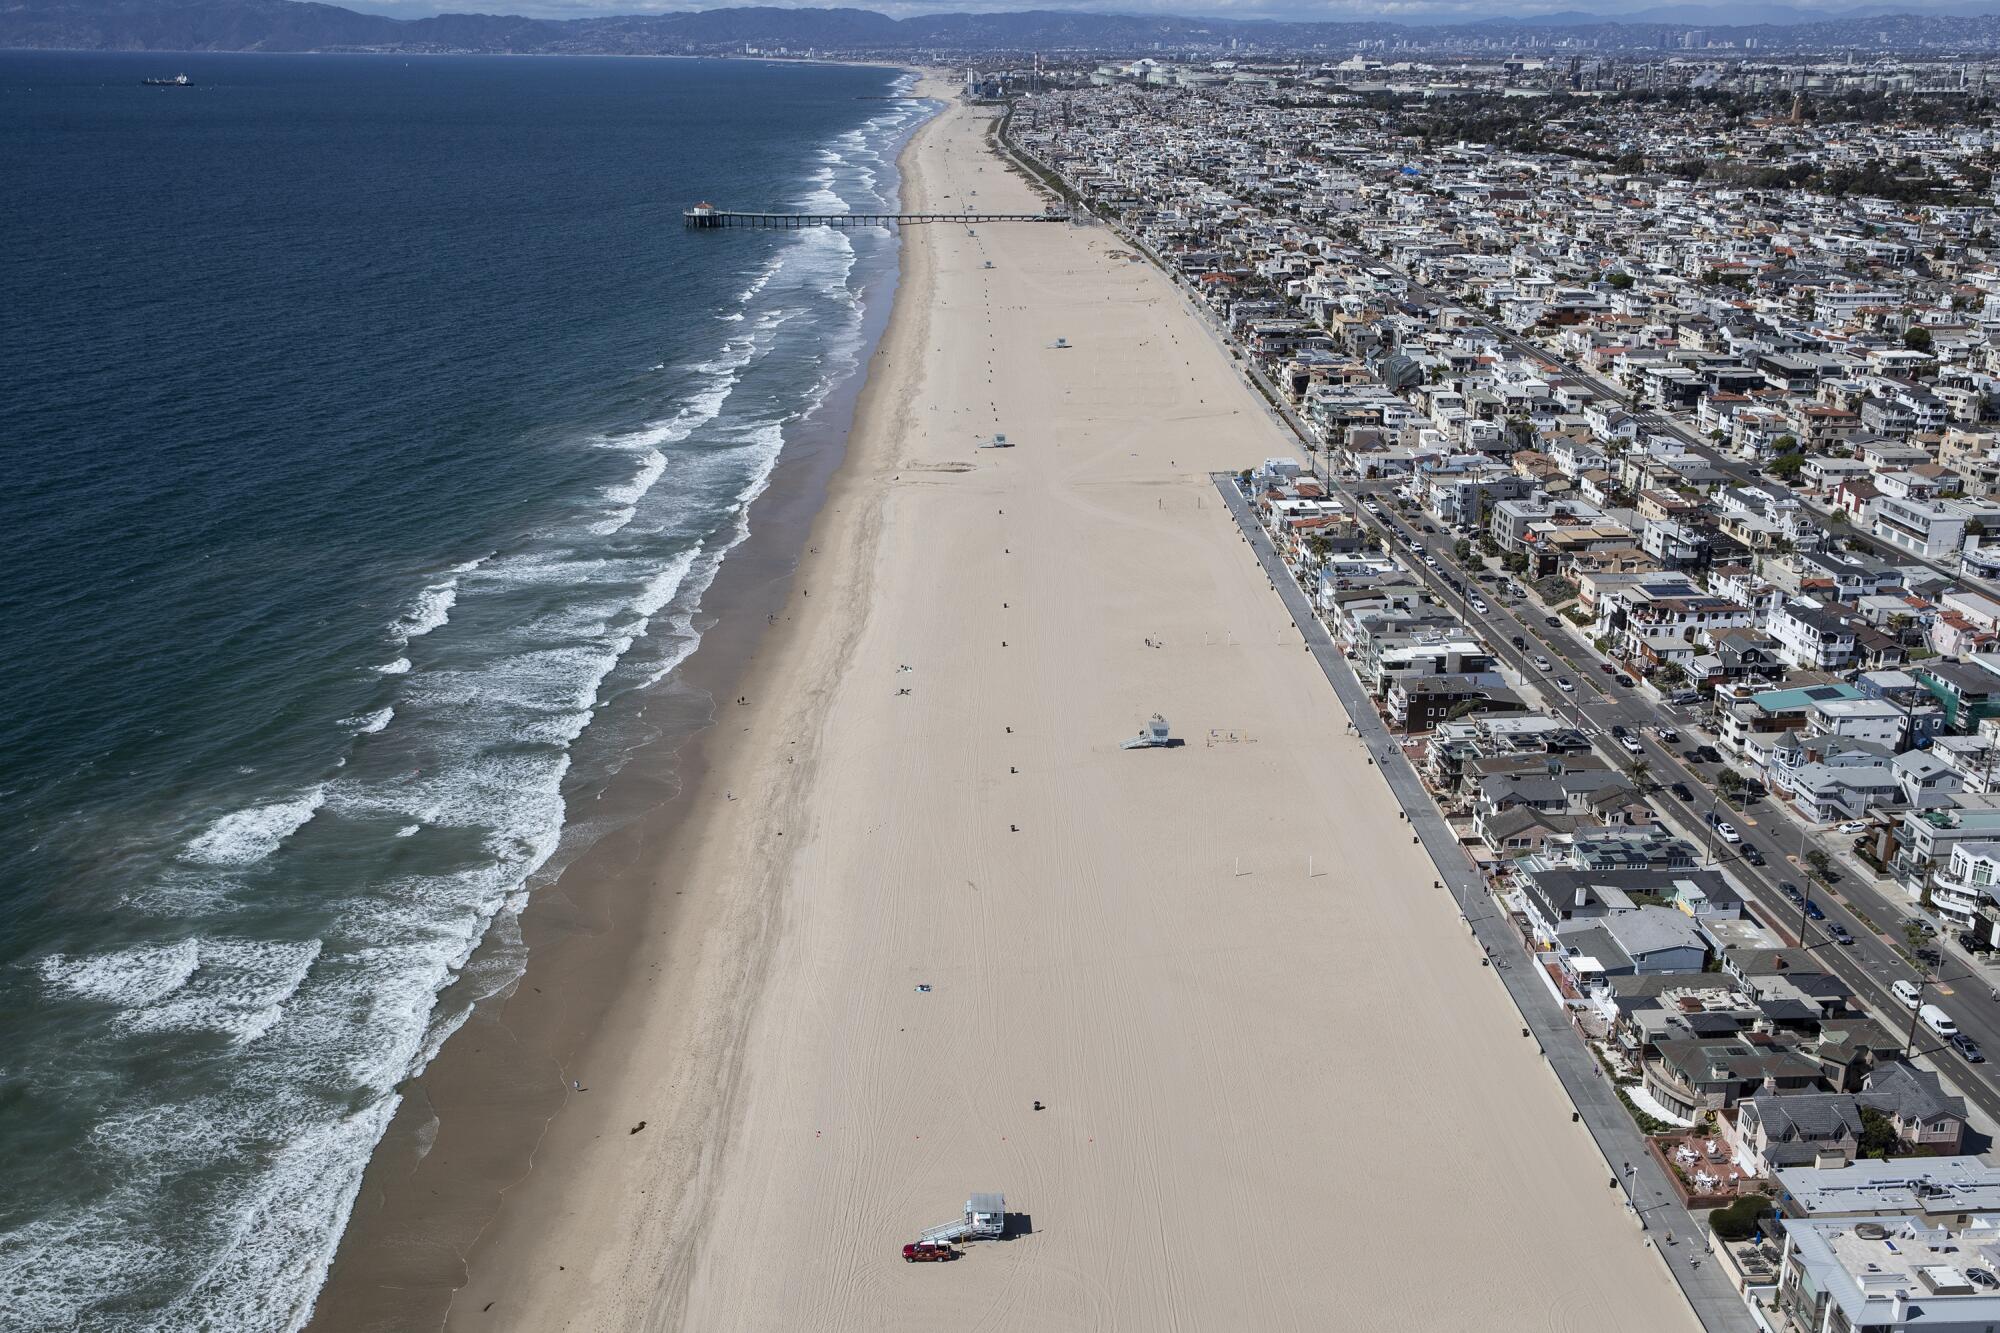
(1273, 1101)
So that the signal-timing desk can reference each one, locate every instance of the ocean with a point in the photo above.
(372, 431)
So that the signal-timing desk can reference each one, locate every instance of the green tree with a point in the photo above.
(1729, 782)
(1619, 281)
(1787, 467)
(1878, 1134)
(1917, 338)
(1740, 1220)
(1461, 550)
(1819, 865)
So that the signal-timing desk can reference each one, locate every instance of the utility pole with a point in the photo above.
(1924, 981)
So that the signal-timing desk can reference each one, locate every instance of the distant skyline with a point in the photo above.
(1298, 11)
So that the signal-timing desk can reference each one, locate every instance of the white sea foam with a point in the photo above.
(127, 977)
(369, 723)
(236, 989)
(244, 837)
(326, 1033)
(399, 667)
(431, 609)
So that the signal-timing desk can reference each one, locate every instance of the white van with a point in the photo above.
(1907, 992)
(1937, 1020)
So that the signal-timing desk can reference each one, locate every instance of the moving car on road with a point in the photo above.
(1791, 891)
(1728, 833)
(1815, 911)
(1565, 684)
(1839, 933)
(1752, 855)
(1682, 791)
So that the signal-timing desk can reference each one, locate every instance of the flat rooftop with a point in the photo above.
(1875, 1267)
(1934, 1185)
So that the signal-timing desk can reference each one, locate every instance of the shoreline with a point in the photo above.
(471, 1123)
(951, 937)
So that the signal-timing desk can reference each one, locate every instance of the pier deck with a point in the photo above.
(704, 217)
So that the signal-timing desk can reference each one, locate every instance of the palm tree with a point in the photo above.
(1637, 770)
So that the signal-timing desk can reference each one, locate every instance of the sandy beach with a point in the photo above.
(1273, 1100)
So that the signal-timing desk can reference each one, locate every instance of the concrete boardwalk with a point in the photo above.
(1651, 1195)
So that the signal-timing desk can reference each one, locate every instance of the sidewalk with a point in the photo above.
(1649, 1193)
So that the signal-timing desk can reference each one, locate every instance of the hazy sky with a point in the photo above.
(1698, 11)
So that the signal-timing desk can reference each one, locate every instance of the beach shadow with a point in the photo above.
(1017, 1225)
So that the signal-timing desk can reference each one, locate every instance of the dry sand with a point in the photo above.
(1274, 1101)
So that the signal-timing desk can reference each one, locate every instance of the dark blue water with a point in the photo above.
(371, 429)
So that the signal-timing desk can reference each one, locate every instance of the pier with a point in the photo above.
(707, 215)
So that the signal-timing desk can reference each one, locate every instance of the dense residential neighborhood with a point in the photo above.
(1646, 494)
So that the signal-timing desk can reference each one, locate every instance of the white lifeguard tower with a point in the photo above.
(985, 1219)
(1154, 736)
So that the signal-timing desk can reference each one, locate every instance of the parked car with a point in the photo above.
(1972, 942)
(1854, 826)
(1840, 933)
(1708, 754)
(1607, 668)
(1682, 791)
(927, 1252)
(1969, 1048)
(1752, 855)
(1815, 911)
(1790, 890)
(1938, 1021)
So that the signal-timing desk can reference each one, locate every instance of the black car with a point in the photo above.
(1752, 855)
(1618, 733)
(1553, 622)
(1708, 754)
(1969, 1048)
(1625, 682)
(1972, 942)
(1520, 642)
(1790, 890)
(1680, 789)
(1668, 736)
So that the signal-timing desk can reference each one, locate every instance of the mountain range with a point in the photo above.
(305, 25)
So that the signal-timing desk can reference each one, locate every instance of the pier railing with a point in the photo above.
(704, 216)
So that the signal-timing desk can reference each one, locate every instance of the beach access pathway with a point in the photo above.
(1648, 1191)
